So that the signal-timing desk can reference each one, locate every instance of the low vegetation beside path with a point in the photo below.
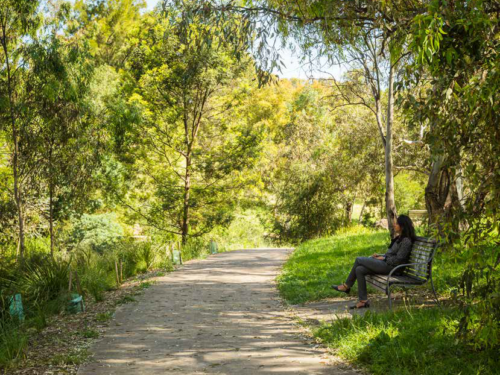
(412, 340)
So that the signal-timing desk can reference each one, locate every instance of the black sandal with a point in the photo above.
(336, 287)
(364, 305)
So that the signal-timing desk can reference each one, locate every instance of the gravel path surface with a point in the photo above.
(221, 315)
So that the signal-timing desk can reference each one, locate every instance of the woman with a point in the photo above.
(398, 253)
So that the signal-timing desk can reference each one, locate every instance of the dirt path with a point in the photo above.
(221, 315)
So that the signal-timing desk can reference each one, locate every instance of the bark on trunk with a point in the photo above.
(441, 194)
(51, 218)
(187, 188)
(390, 204)
(348, 212)
(362, 211)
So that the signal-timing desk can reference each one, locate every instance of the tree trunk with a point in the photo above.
(441, 193)
(348, 212)
(51, 217)
(187, 188)
(390, 204)
(362, 211)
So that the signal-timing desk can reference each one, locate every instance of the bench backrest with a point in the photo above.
(422, 252)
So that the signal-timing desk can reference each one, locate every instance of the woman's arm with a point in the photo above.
(402, 254)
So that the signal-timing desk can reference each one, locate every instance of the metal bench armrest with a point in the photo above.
(404, 265)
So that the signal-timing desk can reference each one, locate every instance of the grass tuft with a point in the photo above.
(104, 317)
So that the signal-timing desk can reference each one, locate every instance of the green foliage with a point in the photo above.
(194, 248)
(319, 163)
(456, 46)
(43, 280)
(249, 229)
(97, 232)
(409, 192)
(317, 264)
(407, 342)
(95, 280)
(197, 145)
(147, 254)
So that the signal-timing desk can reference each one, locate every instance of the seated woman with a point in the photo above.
(398, 253)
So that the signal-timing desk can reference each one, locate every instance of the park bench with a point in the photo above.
(417, 272)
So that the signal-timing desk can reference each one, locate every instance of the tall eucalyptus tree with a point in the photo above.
(19, 21)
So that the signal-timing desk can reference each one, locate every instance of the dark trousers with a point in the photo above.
(365, 266)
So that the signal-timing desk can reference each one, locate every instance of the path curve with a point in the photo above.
(221, 315)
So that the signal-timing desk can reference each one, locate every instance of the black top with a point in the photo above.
(399, 252)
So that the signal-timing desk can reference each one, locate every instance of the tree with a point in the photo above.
(456, 58)
(190, 86)
(323, 160)
(367, 31)
(18, 22)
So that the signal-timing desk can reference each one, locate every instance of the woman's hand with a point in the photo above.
(374, 255)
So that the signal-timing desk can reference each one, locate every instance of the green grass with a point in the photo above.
(125, 299)
(412, 341)
(104, 317)
(75, 357)
(89, 333)
(315, 265)
(146, 284)
(407, 342)
(13, 345)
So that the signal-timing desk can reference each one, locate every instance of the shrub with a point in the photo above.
(146, 254)
(98, 232)
(43, 280)
(194, 248)
(95, 281)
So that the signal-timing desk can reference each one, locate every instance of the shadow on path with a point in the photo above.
(221, 315)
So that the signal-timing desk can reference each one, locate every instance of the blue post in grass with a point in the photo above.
(16, 307)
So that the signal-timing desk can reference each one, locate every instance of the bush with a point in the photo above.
(97, 232)
(43, 280)
(194, 248)
(95, 280)
(145, 254)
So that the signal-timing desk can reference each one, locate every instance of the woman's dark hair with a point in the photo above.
(407, 229)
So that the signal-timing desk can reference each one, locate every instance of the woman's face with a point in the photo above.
(397, 227)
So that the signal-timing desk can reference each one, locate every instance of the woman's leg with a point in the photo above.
(362, 267)
(369, 266)
(351, 279)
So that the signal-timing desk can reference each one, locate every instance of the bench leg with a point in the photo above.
(434, 291)
(389, 295)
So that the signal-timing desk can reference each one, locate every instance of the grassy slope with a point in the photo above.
(403, 342)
